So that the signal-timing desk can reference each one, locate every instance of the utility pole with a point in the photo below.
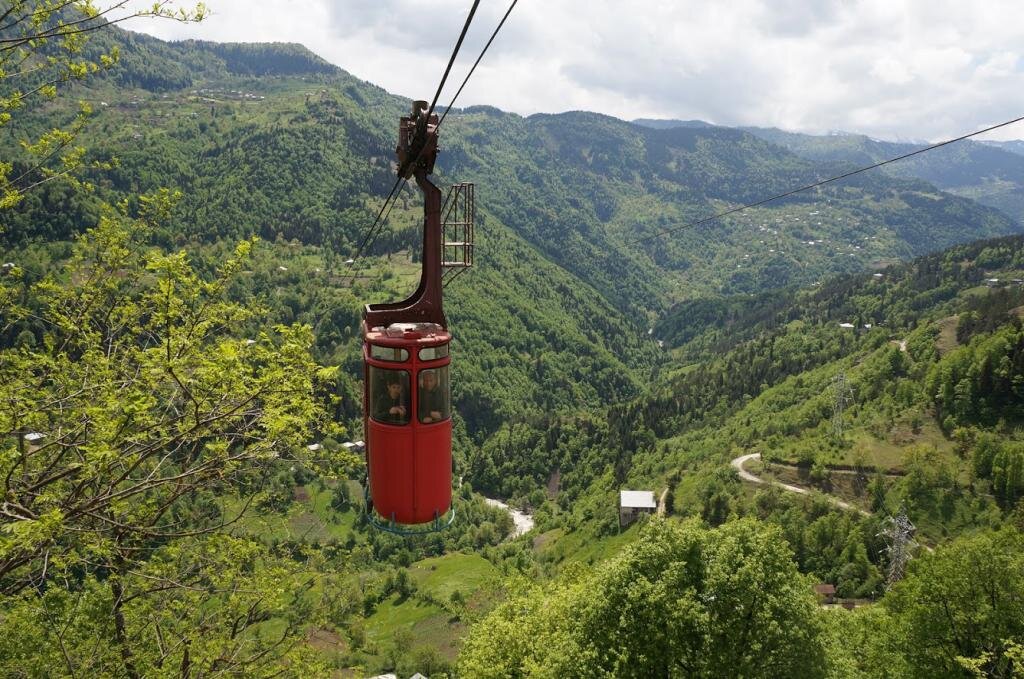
(843, 396)
(899, 533)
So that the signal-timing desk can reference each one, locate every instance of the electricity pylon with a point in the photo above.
(843, 397)
(899, 533)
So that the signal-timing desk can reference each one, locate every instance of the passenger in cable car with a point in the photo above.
(391, 406)
(433, 404)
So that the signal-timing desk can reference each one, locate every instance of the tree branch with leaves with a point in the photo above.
(143, 423)
(41, 52)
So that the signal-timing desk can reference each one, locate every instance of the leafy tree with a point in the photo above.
(961, 609)
(211, 606)
(681, 601)
(157, 427)
(41, 51)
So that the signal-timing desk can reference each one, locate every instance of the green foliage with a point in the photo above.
(962, 608)
(983, 381)
(557, 382)
(43, 51)
(680, 601)
(239, 612)
(151, 412)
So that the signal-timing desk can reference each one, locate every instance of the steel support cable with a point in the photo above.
(384, 220)
(821, 183)
(463, 86)
(477, 62)
(369, 232)
(455, 53)
(370, 237)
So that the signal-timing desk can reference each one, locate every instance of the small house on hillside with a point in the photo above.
(826, 593)
(633, 503)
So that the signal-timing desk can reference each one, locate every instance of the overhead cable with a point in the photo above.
(366, 239)
(475, 63)
(455, 53)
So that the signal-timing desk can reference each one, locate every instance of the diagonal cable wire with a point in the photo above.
(384, 220)
(455, 53)
(820, 183)
(366, 238)
(475, 63)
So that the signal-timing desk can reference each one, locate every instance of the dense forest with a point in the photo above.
(180, 373)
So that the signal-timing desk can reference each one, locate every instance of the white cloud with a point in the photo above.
(900, 69)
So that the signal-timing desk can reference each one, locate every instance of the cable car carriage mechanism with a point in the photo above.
(406, 397)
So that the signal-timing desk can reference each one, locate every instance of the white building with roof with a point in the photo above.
(633, 503)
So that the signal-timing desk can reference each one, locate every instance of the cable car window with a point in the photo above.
(389, 395)
(434, 397)
(430, 353)
(388, 353)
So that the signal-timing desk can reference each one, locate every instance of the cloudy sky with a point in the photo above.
(893, 69)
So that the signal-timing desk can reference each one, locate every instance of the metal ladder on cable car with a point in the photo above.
(457, 214)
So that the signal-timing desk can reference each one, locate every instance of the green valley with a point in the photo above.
(181, 377)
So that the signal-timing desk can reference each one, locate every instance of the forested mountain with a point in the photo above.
(756, 373)
(591, 354)
(312, 147)
(1013, 146)
(928, 358)
(563, 200)
(992, 173)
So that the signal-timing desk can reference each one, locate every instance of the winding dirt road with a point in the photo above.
(747, 476)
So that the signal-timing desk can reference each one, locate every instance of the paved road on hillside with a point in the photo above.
(747, 476)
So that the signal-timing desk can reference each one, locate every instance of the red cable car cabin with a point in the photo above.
(407, 409)
(409, 426)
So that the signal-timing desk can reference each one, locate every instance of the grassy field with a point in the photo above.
(559, 549)
(429, 615)
(866, 446)
(886, 453)
(441, 576)
(946, 341)
(311, 518)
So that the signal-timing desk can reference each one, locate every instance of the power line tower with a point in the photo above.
(843, 393)
(899, 534)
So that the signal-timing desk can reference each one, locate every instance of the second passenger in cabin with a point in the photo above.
(432, 406)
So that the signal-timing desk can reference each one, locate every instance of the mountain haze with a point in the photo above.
(988, 173)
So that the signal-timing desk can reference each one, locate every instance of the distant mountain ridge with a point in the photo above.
(991, 173)
(665, 124)
(1013, 146)
(592, 193)
(160, 66)
(256, 59)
